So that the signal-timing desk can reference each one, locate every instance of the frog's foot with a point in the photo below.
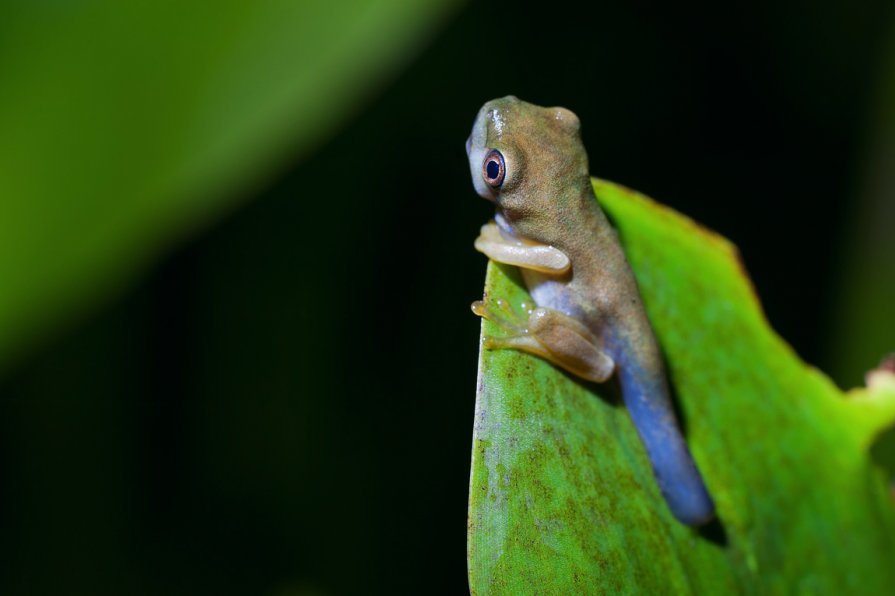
(550, 334)
(502, 314)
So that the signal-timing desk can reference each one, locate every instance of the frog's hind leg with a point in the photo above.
(550, 334)
(570, 344)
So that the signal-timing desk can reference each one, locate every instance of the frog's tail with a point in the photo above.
(648, 402)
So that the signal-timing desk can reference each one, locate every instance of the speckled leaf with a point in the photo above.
(562, 499)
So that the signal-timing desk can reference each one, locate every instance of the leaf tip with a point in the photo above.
(876, 402)
(882, 378)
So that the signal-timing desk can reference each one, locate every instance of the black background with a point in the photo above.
(284, 405)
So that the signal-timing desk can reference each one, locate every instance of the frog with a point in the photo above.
(587, 316)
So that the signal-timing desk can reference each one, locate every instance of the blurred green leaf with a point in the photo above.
(863, 324)
(125, 125)
(562, 499)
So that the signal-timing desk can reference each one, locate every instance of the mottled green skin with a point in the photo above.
(562, 499)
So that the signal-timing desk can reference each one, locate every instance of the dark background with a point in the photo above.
(284, 405)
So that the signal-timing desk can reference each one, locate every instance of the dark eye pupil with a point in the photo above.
(493, 169)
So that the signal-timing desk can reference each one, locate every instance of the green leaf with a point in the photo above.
(126, 125)
(562, 499)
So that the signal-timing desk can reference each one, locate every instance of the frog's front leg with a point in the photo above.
(550, 334)
(520, 252)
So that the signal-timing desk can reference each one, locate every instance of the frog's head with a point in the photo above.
(531, 162)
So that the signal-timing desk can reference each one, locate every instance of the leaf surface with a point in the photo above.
(562, 499)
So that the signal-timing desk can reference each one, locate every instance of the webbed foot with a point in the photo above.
(550, 334)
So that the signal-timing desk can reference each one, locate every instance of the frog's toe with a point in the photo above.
(503, 316)
(522, 342)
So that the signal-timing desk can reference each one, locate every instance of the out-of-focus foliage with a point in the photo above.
(865, 318)
(864, 321)
(123, 125)
(562, 497)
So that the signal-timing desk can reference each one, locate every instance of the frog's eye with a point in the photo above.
(494, 168)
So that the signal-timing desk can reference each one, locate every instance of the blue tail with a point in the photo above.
(646, 397)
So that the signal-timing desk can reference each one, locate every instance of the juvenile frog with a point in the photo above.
(588, 317)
